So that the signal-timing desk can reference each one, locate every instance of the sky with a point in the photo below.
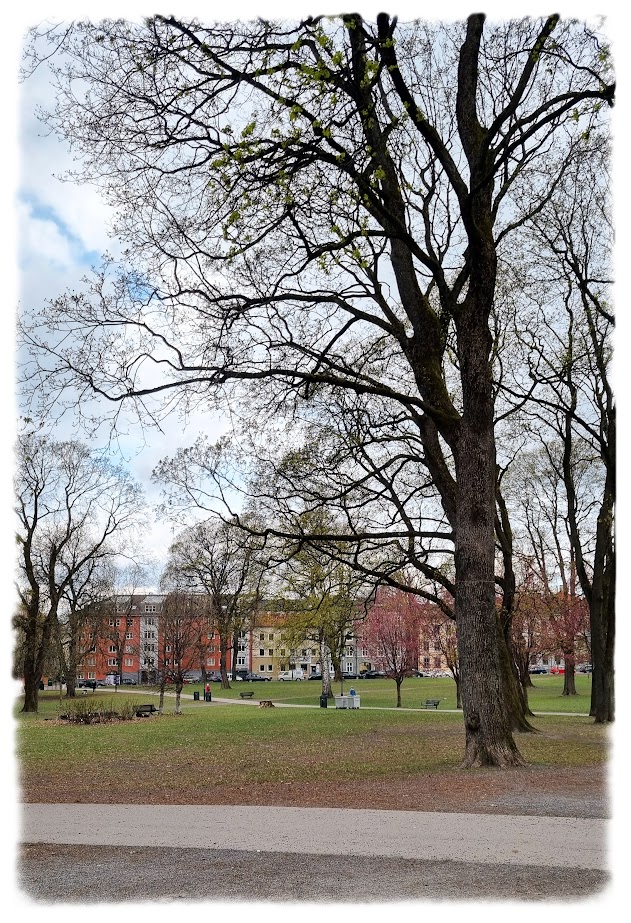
(56, 231)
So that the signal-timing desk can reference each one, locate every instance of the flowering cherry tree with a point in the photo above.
(391, 634)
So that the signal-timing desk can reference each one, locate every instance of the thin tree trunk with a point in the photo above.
(178, 692)
(161, 700)
(223, 651)
(398, 681)
(324, 666)
(516, 699)
(458, 694)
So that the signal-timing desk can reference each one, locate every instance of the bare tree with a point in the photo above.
(221, 562)
(73, 508)
(324, 205)
(82, 616)
(184, 619)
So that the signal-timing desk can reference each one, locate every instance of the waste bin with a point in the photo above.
(41, 685)
(208, 697)
(196, 696)
(324, 702)
(50, 682)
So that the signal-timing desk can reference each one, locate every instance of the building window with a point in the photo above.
(283, 652)
(270, 637)
(240, 661)
(437, 662)
(129, 662)
(270, 652)
(210, 662)
(115, 622)
(129, 635)
(112, 662)
(269, 667)
(261, 652)
(168, 648)
(112, 649)
(425, 645)
(91, 675)
(129, 649)
(242, 634)
(261, 637)
(92, 662)
(150, 607)
(426, 662)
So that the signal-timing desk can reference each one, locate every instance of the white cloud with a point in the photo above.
(42, 241)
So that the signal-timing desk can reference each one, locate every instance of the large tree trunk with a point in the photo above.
(488, 736)
(602, 623)
(602, 614)
(37, 643)
(569, 682)
(31, 691)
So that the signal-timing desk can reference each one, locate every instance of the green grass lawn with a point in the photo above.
(228, 745)
(544, 696)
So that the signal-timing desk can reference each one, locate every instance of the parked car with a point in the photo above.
(372, 674)
(537, 670)
(418, 673)
(256, 678)
(286, 676)
(349, 675)
(315, 676)
(584, 668)
(129, 682)
(214, 677)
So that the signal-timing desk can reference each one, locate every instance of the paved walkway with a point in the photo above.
(450, 711)
(559, 842)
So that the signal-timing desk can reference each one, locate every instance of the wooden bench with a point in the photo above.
(246, 695)
(430, 703)
(145, 711)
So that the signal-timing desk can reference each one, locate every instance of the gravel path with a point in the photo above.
(88, 874)
(559, 842)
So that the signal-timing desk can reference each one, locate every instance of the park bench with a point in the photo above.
(246, 695)
(144, 711)
(430, 703)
